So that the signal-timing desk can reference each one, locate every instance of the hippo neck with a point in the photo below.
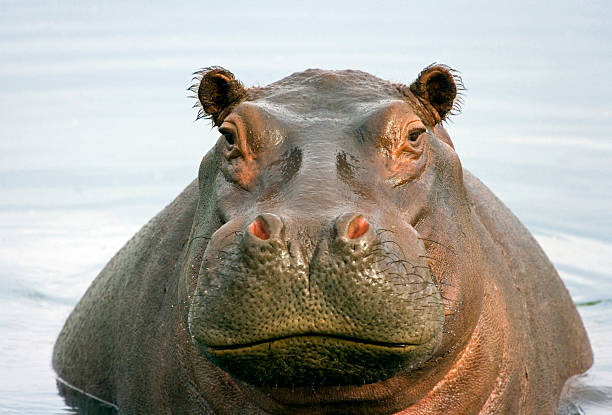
(478, 364)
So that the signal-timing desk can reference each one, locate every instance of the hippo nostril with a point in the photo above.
(354, 228)
(265, 229)
(357, 227)
(260, 229)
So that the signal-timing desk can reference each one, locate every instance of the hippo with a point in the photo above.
(332, 257)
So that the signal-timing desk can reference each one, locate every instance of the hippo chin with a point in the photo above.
(332, 257)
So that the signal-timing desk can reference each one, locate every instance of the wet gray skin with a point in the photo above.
(332, 257)
(320, 273)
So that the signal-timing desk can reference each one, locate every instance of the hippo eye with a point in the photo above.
(414, 134)
(229, 132)
(229, 137)
(232, 149)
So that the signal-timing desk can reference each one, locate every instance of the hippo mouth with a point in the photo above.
(314, 337)
(315, 359)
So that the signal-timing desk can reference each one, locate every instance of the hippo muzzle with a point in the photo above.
(359, 307)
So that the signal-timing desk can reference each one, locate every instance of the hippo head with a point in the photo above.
(335, 240)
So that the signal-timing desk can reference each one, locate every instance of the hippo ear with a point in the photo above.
(440, 87)
(217, 92)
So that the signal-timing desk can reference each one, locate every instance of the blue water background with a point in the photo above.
(97, 135)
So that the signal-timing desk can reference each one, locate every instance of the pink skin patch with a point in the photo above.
(357, 227)
(259, 228)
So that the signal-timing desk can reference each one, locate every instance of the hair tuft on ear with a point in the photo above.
(441, 88)
(217, 92)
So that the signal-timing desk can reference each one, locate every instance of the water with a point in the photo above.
(96, 136)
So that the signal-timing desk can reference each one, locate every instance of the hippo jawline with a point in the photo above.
(317, 359)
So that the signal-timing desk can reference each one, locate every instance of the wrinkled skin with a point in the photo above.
(332, 257)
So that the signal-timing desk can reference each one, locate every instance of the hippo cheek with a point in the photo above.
(360, 310)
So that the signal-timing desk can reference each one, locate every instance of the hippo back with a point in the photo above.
(548, 327)
(115, 336)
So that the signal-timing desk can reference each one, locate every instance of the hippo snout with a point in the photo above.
(272, 311)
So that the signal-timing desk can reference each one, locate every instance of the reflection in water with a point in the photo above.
(580, 397)
(82, 403)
